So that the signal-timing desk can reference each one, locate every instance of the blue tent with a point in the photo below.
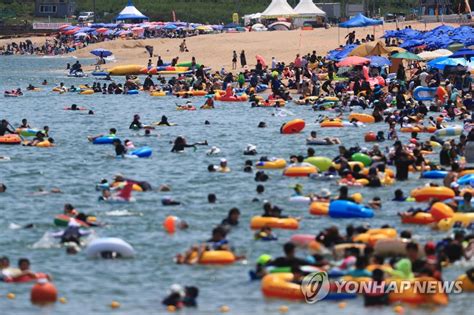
(131, 13)
(360, 21)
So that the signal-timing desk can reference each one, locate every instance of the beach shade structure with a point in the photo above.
(360, 21)
(101, 52)
(81, 34)
(231, 25)
(370, 49)
(204, 28)
(307, 8)
(130, 13)
(377, 61)
(262, 60)
(430, 55)
(405, 55)
(279, 26)
(63, 27)
(278, 8)
(441, 63)
(71, 31)
(258, 27)
(353, 61)
(463, 53)
(170, 27)
(101, 30)
(340, 53)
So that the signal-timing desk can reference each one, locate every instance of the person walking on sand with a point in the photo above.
(234, 60)
(149, 49)
(183, 47)
(243, 59)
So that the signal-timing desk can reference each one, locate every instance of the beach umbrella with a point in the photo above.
(101, 30)
(442, 62)
(101, 51)
(369, 49)
(377, 61)
(429, 55)
(81, 34)
(70, 32)
(62, 27)
(170, 27)
(405, 55)
(353, 61)
(463, 53)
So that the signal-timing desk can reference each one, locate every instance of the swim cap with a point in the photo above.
(263, 259)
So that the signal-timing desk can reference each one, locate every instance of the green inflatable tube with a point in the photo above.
(361, 157)
(321, 162)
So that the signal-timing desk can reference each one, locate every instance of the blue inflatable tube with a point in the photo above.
(104, 140)
(434, 174)
(422, 93)
(343, 209)
(449, 132)
(132, 92)
(261, 88)
(466, 179)
(143, 152)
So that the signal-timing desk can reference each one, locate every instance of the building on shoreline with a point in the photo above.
(54, 8)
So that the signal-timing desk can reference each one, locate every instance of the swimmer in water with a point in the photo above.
(180, 144)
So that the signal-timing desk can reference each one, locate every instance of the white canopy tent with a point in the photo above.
(278, 8)
(307, 11)
(308, 8)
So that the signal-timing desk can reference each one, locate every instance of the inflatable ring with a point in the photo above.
(419, 218)
(258, 222)
(319, 208)
(332, 124)
(299, 171)
(293, 126)
(271, 165)
(109, 244)
(217, 257)
(10, 139)
(321, 162)
(86, 92)
(427, 193)
(364, 118)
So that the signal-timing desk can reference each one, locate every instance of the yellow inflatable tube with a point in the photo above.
(271, 165)
(277, 223)
(279, 285)
(466, 283)
(158, 93)
(44, 144)
(217, 257)
(458, 218)
(135, 187)
(86, 92)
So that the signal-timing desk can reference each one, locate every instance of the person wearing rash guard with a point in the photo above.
(120, 149)
(180, 144)
(4, 128)
(136, 124)
(164, 121)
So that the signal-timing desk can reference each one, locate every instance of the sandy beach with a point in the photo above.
(215, 51)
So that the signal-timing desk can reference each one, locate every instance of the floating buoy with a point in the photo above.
(11, 296)
(342, 305)
(62, 300)
(44, 292)
(224, 309)
(283, 309)
(171, 308)
(114, 304)
(399, 309)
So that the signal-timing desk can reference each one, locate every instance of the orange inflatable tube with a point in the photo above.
(277, 223)
(293, 126)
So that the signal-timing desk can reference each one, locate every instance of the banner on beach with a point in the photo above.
(48, 26)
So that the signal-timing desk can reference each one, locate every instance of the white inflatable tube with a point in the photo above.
(109, 244)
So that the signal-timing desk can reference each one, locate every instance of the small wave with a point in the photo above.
(123, 213)
(46, 241)
(14, 226)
